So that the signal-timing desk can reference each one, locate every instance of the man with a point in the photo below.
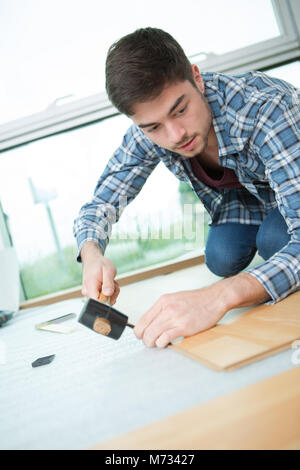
(236, 140)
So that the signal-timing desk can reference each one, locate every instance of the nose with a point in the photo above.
(176, 133)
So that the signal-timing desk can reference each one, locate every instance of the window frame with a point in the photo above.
(60, 118)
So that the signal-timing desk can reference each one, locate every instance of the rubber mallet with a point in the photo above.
(103, 318)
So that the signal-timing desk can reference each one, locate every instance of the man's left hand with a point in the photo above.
(180, 314)
(189, 312)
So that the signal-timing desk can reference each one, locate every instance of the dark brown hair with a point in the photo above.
(139, 65)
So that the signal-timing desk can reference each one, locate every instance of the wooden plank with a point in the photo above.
(259, 332)
(264, 415)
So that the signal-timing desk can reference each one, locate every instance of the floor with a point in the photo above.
(97, 388)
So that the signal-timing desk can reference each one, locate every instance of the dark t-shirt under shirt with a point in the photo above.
(228, 179)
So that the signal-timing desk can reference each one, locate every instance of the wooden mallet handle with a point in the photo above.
(103, 298)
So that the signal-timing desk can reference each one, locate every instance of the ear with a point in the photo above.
(198, 78)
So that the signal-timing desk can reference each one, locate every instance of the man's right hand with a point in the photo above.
(98, 273)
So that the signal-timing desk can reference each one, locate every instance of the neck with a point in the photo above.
(210, 156)
(212, 148)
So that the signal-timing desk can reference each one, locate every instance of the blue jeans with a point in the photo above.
(231, 247)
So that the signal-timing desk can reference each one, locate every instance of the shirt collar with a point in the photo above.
(229, 137)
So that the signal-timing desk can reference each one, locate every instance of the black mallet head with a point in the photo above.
(103, 319)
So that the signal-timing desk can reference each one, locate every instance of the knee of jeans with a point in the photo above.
(222, 261)
(268, 241)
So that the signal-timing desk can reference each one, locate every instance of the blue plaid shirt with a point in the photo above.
(256, 119)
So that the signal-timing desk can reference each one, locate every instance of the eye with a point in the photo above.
(181, 111)
(153, 128)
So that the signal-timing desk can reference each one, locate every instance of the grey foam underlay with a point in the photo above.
(97, 388)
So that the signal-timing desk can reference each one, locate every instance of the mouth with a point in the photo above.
(189, 145)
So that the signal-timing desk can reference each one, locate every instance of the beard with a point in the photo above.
(200, 145)
(201, 136)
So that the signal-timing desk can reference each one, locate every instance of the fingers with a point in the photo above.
(167, 336)
(161, 334)
(161, 324)
(153, 332)
(108, 285)
(98, 278)
(149, 317)
(91, 288)
(113, 298)
(98, 294)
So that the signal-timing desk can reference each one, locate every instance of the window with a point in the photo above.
(67, 60)
(289, 72)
